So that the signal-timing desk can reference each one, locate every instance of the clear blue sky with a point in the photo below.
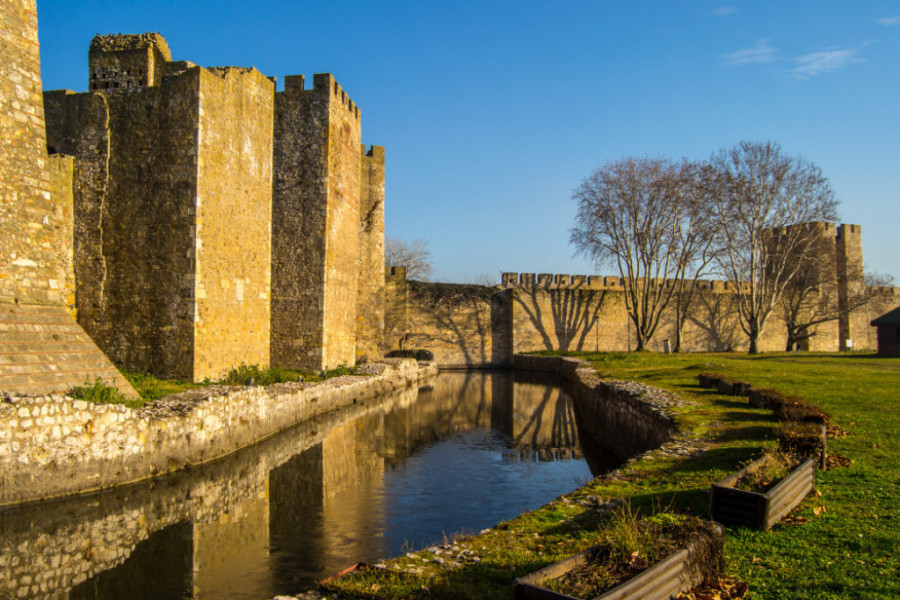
(493, 112)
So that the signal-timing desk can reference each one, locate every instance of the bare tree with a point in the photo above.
(765, 199)
(642, 217)
(413, 255)
(812, 298)
(696, 235)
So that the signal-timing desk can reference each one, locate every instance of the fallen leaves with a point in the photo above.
(724, 588)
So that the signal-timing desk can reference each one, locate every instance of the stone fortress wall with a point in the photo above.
(218, 222)
(193, 219)
(528, 312)
(42, 349)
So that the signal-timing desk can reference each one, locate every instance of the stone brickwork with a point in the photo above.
(463, 325)
(173, 210)
(42, 549)
(588, 313)
(371, 299)
(849, 262)
(396, 300)
(233, 221)
(127, 61)
(316, 225)
(42, 349)
(62, 173)
(30, 225)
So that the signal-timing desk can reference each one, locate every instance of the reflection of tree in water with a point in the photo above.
(562, 432)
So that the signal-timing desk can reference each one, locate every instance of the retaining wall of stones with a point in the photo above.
(628, 417)
(54, 446)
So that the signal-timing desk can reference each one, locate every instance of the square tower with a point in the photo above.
(853, 325)
(173, 180)
(315, 225)
(127, 61)
(370, 299)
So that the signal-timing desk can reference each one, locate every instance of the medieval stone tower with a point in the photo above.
(217, 222)
(42, 349)
(173, 184)
(327, 230)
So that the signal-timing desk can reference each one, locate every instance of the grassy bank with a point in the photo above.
(841, 543)
(151, 388)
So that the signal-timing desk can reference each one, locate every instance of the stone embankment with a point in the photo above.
(629, 417)
(54, 446)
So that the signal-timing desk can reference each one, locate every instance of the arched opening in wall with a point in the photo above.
(51, 150)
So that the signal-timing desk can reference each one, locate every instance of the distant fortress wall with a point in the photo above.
(472, 325)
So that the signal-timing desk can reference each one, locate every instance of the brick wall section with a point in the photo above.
(77, 125)
(173, 216)
(371, 295)
(567, 319)
(233, 223)
(578, 313)
(134, 234)
(315, 226)
(342, 264)
(850, 282)
(62, 172)
(43, 350)
(299, 207)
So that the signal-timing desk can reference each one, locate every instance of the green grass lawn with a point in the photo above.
(842, 542)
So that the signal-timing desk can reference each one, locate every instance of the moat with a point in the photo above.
(369, 481)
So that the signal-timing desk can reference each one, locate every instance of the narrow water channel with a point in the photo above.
(369, 481)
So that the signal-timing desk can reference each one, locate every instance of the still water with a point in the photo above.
(368, 481)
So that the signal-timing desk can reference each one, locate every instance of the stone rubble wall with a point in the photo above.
(53, 445)
(44, 551)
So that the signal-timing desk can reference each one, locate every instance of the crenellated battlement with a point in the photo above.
(323, 83)
(559, 281)
(847, 231)
(549, 281)
(374, 152)
(395, 273)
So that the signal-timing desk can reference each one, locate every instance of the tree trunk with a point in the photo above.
(679, 325)
(754, 347)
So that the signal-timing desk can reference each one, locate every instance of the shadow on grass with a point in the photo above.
(717, 460)
(746, 432)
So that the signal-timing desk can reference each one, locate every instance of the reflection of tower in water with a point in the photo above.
(277, 517)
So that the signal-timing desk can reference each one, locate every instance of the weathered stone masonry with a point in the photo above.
(477, 325)
(173, 208)
(42, 349)
(317, 238)
(216, 221)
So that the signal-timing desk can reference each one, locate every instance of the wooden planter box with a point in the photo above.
(708, 380)
(723, 384)
(741, 508)
(679, 572)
